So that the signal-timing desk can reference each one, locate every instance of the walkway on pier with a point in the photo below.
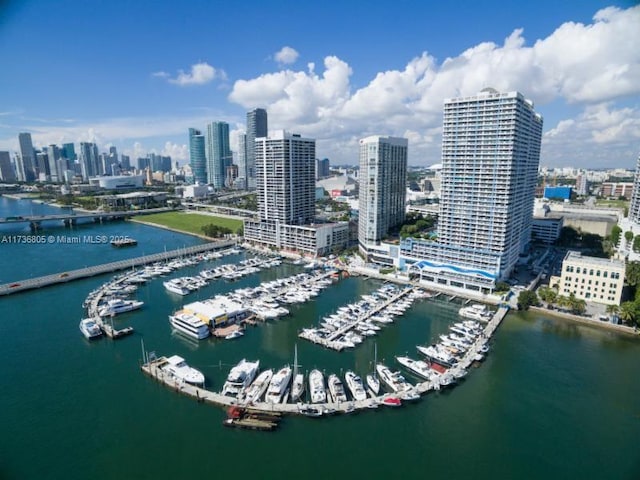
(39, 282)
(368, 314)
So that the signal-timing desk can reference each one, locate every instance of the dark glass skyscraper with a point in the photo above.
(197, 157)
(256, 127)
(219, 155)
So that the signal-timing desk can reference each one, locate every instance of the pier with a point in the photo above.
(44, 281)
(153, 368)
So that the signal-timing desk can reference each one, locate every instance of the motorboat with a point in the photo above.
(176, 285)
(391, 402)
(355, 385)
(298, 387)
(278, 386)
(336, 389)
(393, 380)
(234, 334)
(90, 328)
(190, 325)
(317, 389)
(475, 311)
(178, 368)
(240, 377)
(437, 355)
(418, 367)
(258, 387)
(374, 384)
(115, 306)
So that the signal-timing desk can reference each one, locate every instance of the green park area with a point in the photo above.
(191, 222)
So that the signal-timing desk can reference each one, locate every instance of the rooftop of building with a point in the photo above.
(578, 257)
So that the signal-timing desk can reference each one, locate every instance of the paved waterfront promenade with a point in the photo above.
(38, 282)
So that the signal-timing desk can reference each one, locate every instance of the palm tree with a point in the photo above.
(547, 295)
(628, 312)
(612, 310)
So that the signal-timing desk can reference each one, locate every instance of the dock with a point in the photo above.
(71, 275)
(110, 331)
(153, 368)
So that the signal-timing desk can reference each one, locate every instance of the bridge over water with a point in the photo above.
(72, 218)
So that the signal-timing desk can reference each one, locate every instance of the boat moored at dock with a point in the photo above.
(178, 368)
(90, 328)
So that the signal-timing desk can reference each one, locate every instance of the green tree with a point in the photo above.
(527, 299)
(628, 236)
(577, 305)
(612, 309)
(502, 286)
(547, 295)
(616, 231)
(636, 244)
(628, 313)
(632, 274)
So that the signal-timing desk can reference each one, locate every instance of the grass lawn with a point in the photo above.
(613, 203)
(189, 222)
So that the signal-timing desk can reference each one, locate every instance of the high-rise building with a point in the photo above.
(27, 162)
(257, 127)
(582, 184)
(6, 169)
(323, 168)
(219, 155)
(197, 156)
(634, 208)
(383, 180)
(69, 151)
(89, 160)
(241, 161)
(125, 162)
(42, 163)
(53, 153)
(285, 178)
(490, 157)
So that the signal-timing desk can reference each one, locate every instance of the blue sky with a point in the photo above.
(109, 71)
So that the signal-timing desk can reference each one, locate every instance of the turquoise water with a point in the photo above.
(552, 400)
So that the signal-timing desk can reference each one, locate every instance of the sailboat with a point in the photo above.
(372, 379)
(298, 379)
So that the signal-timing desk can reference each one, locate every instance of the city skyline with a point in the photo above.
(142, 92)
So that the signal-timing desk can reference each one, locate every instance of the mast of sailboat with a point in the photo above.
(295, 360)
(375, 360)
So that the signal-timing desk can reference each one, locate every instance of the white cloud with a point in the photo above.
(200, 74)
(175, 151)
(581, 64)
(286, 56)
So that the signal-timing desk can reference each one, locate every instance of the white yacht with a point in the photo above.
(240, 377)
(316, 387)
(190, 325)
(475, 311)
(258, 387)
(355, 385)
(176, 285)
(420, 368)
(393, 380)
(374, 384)
(118, 305)
(278, 385)
(336, 389)
(90, 329)
(437, 355)
(177, 367)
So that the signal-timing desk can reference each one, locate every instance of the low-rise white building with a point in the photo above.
(592, 279)
(217, 311)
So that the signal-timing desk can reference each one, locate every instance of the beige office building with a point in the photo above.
(592, 279)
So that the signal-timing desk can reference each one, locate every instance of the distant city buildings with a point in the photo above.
(6, 169)
(323, 168)
(218, 153)
(257, 127)
(26, 161)
(197, 156)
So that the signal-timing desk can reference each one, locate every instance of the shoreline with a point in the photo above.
(203, 237)
(587, 321)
